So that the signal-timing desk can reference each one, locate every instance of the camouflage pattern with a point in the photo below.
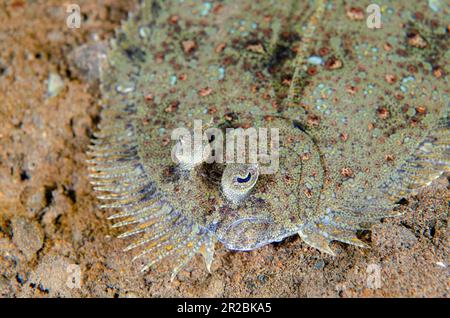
(362, 115)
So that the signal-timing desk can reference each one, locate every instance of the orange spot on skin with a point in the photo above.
(421, 109)
(390, 78)
(256, 48)
(324, 51)
(172, 107)
(205, 91)
(355, 14)
(333, 63)
(174, 19)
(220, 47)
(346, 172)
(189, 46)
(416, 40)
(383, 112)
(387, 47)
(438, 72)
(313, 120)
(311, 70)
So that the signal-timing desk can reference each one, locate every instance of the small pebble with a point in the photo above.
(55, 85)
(320, 264)
(27, 235)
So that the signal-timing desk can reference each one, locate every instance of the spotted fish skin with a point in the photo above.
(361, 127)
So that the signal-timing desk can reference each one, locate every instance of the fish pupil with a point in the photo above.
(244, 180)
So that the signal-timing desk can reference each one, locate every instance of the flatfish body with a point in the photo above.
(360, 114)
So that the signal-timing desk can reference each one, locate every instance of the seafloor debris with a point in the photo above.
(55, 84)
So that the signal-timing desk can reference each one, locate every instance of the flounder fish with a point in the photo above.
(360, 111)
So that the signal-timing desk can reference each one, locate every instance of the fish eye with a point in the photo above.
(238, 180)
(244, 180)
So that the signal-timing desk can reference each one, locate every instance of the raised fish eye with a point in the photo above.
(244, 180)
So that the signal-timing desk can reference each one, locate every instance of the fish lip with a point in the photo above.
(237, 246)
(244, 249)
(239, 221)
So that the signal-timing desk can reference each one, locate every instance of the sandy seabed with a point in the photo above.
(51, 229)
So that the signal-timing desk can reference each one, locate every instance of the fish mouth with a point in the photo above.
(247, 234)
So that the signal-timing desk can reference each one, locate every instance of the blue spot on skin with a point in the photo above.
(206, 7)
(173, 80)
(409, 79)
(434, 5)
(221, 73)
(315, 60)
(244, 180)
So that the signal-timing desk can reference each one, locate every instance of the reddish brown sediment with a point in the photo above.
(45, 195)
